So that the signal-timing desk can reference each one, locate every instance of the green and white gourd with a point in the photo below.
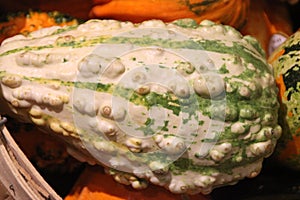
(186, 106)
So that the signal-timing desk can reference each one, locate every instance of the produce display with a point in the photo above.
(166, 99)
(174, 104)
(286, 63)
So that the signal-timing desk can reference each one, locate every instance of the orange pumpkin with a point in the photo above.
(94, 184)
(169, 10)
(267, 20)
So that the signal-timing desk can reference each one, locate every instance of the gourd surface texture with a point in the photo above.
(182, 105)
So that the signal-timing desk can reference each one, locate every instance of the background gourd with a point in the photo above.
(168, 10)
(286, 63)
(26, 22)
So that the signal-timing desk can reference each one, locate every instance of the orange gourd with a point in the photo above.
(266, 20)
(94, 184)
(26, 22)
(168, 10)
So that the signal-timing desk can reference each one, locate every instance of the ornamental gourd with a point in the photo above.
(269, 22)
(26, 22)
(266, 20)
(168, 10)
(285, 61)
(186, 106)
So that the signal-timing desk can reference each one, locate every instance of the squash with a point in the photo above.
(286, 62)
(26, 22)
(186, 106)
(95, 184)
(269, 22)
(168, 10)
(258, 18)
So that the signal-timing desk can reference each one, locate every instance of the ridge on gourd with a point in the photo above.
(186, 106)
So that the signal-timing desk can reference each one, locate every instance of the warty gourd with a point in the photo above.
(186, 106)
(286, 61)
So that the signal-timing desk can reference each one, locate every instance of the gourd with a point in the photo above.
(94, 183)
(26, 22)
(169, 10)
(185, 106)
(285, 61)
(266, 20)
(269, 22)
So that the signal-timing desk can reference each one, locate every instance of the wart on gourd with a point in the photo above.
(12, 81)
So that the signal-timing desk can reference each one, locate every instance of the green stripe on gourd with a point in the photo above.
(169, 101)
(175, 104)
(207, 45)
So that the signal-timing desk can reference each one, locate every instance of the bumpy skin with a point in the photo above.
(185, 106)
